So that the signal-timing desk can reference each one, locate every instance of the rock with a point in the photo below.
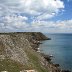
(56, 65)
(4, 71)
(65, 71)
(21, 49)
(2, 57)
(47, 57)
(17, 49)
(28, 71)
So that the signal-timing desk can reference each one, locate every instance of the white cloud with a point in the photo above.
(50, 26)
(42, 7)
(33, 7)
(37, 10)
(13, 21)
(45, 16)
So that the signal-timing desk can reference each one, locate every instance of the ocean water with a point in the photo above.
(60, 46)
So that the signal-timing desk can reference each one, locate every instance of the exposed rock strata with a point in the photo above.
(21, 48)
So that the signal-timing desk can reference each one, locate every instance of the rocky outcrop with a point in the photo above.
(19, 52)
(19, 47)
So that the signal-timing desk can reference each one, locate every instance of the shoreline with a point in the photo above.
(23, 50)
(49, 64)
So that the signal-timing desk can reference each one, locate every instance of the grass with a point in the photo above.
(10, 66)
(35, 60)
(34, 63)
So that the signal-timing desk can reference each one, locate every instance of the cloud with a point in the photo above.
(15, 14)
(50, 26)
(32, 7)
(13, 22)
(42, 9)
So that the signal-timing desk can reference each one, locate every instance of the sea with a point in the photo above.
(60, 46)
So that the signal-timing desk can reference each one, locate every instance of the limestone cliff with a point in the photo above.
(17, 53)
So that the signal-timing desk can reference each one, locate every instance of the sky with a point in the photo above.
(51, 16)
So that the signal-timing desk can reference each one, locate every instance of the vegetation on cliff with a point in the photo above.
(17, 54)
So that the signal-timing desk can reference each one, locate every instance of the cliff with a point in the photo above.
(17, 53)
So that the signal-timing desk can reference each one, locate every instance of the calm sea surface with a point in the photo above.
(60, 46)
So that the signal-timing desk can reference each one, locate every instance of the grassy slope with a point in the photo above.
(35, 59)
(12, 66)
(34, 63)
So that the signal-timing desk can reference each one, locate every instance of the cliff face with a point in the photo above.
(16, 52)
